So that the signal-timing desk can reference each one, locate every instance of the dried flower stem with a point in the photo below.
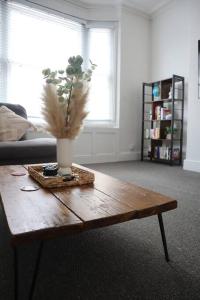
(64, 120)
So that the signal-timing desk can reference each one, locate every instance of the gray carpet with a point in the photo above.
(124, 261)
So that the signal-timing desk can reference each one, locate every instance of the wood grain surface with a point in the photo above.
(32, 214)
(48, 213)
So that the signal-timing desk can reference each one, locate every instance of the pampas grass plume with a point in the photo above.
(63, 121)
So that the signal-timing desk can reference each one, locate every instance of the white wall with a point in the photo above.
(167, 46)
(170, 47)
(135, 58)
(121, 143)
(175, 34)
(192, 161)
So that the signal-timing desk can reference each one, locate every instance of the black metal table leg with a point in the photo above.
(36, 271)
(16, 275)
(162, 230)
(16, 287)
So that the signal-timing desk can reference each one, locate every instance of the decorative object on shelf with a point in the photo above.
(155, 133)
(148, 115)
(156, 91)
(170, 93)
(165, 114)
(147, 133)
(168, 115)
(158, 112)
(64, 99)
(168, 132)
(166, 125)
(80, 176)
(176, 154)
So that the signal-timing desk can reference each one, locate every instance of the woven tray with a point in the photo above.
(81, 177)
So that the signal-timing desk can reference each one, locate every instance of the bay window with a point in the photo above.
(32, 40)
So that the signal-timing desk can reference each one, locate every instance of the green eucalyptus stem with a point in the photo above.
(68, 102)
(66, 80)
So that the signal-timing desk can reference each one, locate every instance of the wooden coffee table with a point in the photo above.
(45, 214)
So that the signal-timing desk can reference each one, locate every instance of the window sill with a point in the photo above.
(100, 124)
(88, 125)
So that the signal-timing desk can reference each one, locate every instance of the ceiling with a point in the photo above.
(147, 6)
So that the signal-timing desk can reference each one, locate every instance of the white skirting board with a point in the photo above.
(107, 157)
(191, 165)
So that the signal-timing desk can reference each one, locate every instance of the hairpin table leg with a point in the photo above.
(162, 230)
(16, 281)
(36, 271)
(16, 271)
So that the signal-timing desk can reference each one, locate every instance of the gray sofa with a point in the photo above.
(26, 150)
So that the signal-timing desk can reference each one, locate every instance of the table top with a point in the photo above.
(48, 213)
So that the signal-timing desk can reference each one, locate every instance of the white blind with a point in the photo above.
(32, 40)
(101, 94)
(3, 51)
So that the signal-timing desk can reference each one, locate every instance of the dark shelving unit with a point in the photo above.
(162, 122)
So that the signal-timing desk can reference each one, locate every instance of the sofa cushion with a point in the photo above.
(18, 109)
(28, 151)
(12, 126)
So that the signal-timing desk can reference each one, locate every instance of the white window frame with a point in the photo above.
(113, 25)
(113, 122)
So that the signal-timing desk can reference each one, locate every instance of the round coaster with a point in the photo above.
(29, 188)
(18, 173)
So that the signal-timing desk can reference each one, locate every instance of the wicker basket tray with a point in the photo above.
(81, 177)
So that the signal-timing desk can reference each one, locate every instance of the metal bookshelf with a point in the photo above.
(162, 122)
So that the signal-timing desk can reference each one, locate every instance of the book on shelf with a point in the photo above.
(164, 152)
(148, 90)
(165, 114)
(176, 153)
(148, 115)
(178, 92)
(147, 133)
(147, 151)
(162, 113)
(155, 133)
(162, 124)
(158, 112)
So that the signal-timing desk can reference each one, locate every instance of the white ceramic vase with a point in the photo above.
(64, 156)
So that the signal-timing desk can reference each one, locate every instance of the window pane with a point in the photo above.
(37, 41)
(100, 103)
(25, 87)
(31, 40)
